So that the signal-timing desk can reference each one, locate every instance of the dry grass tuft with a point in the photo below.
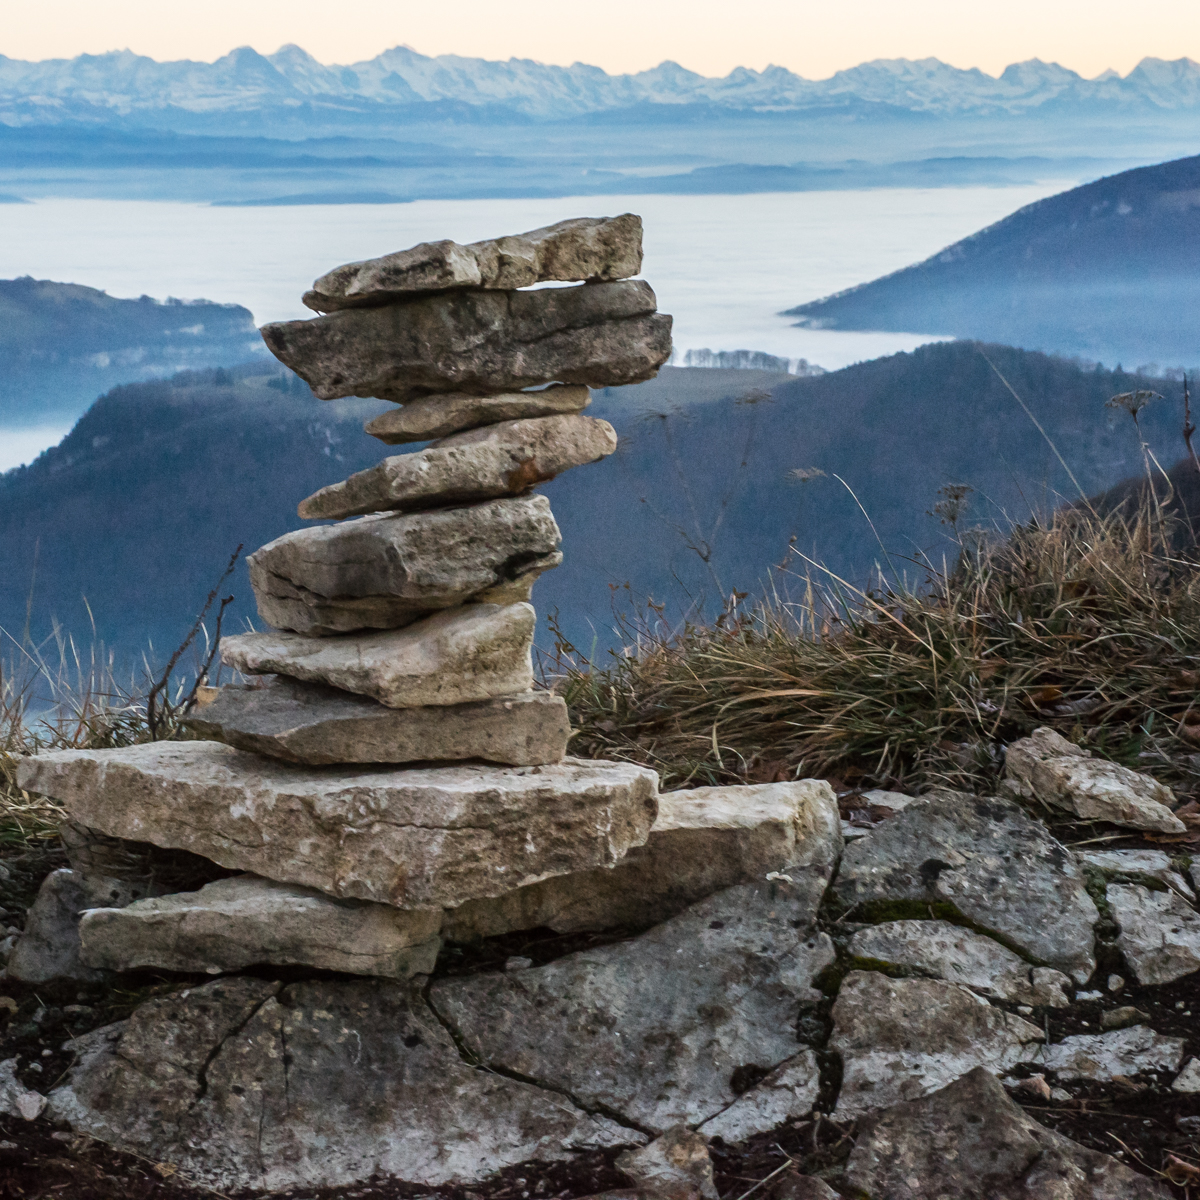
(1087, 623)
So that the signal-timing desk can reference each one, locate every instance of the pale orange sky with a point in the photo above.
(813, 39)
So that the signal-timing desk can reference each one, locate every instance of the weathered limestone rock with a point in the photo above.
(1103, 1056)
(243, 921)
(481, 464)
(439, 416)
(601, 335)
(244, 1084)
(998, 866)
(386, 571)
(571, 251)
(788, 1093)
(307, 723)
(1159, 932)
(49, 946)
(458, 656)
(969, 1140)
(675, 1166)
(652, 1029)
(960, 956)
(903, 1038)
(1153, 864)
(1187, 1082)
(427, 837)
(704, 840)
(1046, 767)
(16, 1100)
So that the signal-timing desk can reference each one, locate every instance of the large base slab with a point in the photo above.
(246, 921)
(249, 1084)
(704, 840)
(307, 723)
(430, 837)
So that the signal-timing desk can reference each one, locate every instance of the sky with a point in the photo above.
(710, 36)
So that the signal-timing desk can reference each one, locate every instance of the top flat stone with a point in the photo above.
(569, 251)
(601, 334)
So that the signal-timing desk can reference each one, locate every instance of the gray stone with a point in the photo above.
(802, 1187)
(896, 801)
(247, 921)
(601, 335)
(969, 1141)
(583, 248)
(1151, 864)
(307, 723)
(674, 1166)
(703, 840)
(1121, 1018)
(1046, 767)
(1001, 869)
(960, 956)
(788, 1093)
(1159, 932)
(1102, 1057)
(439, 416)
(244, 1084)
(388, 570)
(48, 949)
(903, 1038)
(16, 1100)
(1188, 1080)
(457, 656)
(498, 460)
(428, 837)
(653, 1029)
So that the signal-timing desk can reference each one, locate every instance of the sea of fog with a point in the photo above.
(724, 266)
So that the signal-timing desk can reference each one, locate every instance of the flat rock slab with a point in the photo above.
(307, 723)
(49, 948)
(498, 460)
(903, 1038)
(575, 250)
(969, 1140)
(388, 570)
(426, 837)
(961, 956)
(654, 1029)
(599, 335)
(703, 841)
(247, 1084)
(1104, 1056)
(458, 656)
(1135, 864)
(439, 416)
(787, 1094)
(246, 921)
(1046, 767)
(1159, 932)
(996, 865)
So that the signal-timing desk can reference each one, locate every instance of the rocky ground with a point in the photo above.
(1115, 1098)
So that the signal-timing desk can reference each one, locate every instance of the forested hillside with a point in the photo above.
(717, 471)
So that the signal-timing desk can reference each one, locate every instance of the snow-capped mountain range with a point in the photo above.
(122, 84)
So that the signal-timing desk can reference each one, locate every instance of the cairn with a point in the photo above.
(398, 762)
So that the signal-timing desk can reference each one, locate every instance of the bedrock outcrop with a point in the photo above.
(429, 837)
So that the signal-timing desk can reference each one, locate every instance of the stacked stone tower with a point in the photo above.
(398, 757)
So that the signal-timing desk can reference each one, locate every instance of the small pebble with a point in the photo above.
(1116, 983)
(9, 1146)
(1060, 1095)
(1024, 1009)
(1089, 995)
(1119, 1018)
(517, 963)
(47, 1053)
